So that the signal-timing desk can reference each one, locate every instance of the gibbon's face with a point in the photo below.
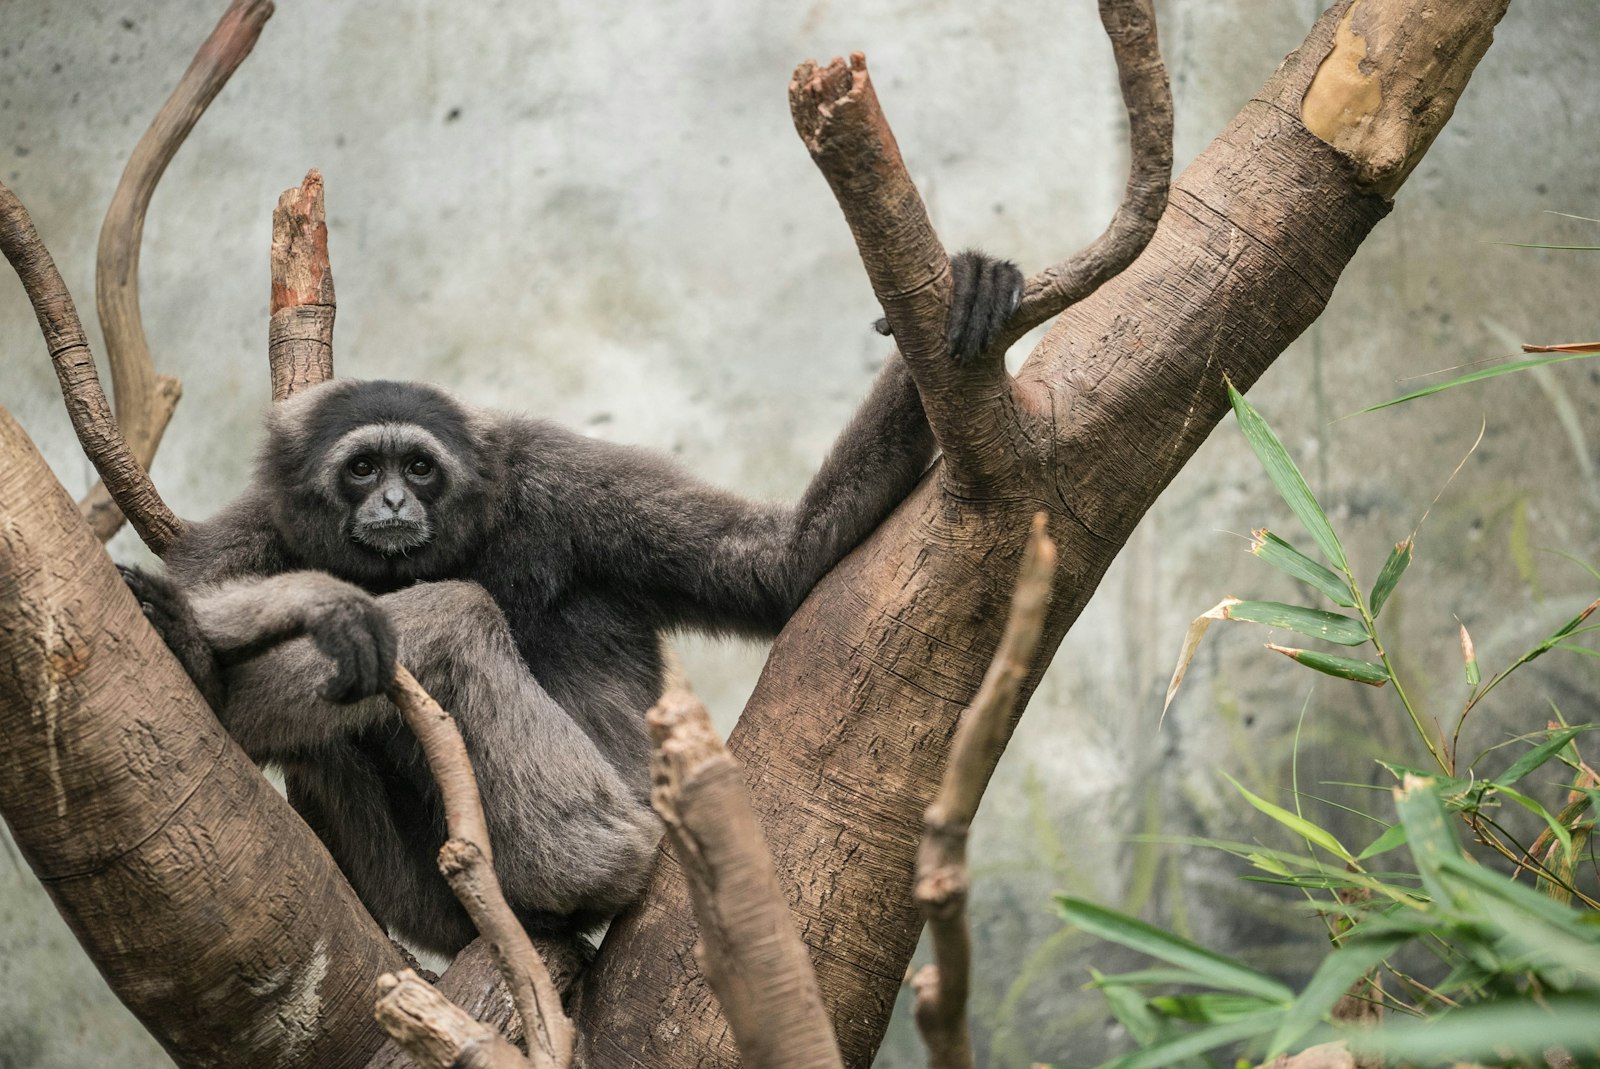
(389, 476)
(375, 481)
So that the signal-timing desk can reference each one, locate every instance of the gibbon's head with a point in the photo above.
(377, 481)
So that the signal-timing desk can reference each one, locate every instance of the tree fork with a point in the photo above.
(845, 738)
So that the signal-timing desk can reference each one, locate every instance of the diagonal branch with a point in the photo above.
(145, 400)
(97, 431)
(749, 950)
(468, 865)
(942, 879)
(1147, 95)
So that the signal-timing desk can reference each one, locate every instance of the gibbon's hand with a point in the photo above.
(985, 291)
(170, 612)
(355, 632)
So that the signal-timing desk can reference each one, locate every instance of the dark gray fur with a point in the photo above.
(526, 577)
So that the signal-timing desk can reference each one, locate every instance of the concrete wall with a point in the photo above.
(599, 213)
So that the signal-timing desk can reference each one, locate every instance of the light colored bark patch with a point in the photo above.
(1392, 78)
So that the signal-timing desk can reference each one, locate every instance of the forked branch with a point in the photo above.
(749, 950)
(145, 400)
(942, 879)
(97, 431)
(974, 409)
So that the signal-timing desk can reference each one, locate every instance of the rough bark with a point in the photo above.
(846, 736)
(209, 906)
(748, 948)
(300, 332)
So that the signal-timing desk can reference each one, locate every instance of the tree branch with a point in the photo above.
(97, 431)
(468, 864)
(145, 400)
(209, 907)
(749, 951)
(300, 334)
(436, 1032)
(1147, 95)
(942, 878)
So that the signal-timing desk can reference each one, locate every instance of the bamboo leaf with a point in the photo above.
(1374, 675)
(1469, 654)
(1294, 822)
(1478, 376)
(1284, 557)
(1191, 645)
(1313, 623)
(1393, 568)
(1337, 973)
(1428, 833)
(1489, 1032)
(1392, 837)
(1291, 485)
(1538, 756)
(1198, 1041)
(1216, 970)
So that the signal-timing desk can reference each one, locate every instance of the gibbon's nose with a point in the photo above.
(394, 497)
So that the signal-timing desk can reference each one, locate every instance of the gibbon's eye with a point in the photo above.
(420, 467)
(362, 468)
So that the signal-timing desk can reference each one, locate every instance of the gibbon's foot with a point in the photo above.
(985, 292)
(169, 611)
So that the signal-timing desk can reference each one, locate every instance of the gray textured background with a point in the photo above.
(600, 213)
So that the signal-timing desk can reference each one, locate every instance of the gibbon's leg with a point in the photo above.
(568, 831)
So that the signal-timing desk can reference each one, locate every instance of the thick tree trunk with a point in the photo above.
(845, 739)
(212, 910)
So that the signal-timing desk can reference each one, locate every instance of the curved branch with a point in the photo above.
(145, 400)
(750, 953)
(436, 1032)
(942, 879)
(1147, 95)
(300, 334)
(97, 431)
(468, 865)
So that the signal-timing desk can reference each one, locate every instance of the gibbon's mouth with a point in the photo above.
(394, 536)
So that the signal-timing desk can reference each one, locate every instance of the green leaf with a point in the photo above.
(1533, 806)
(1337, 973)
(1392, 837)
(1294, 822)
(1469, 655)
(1428, 832)
(1196, 1042)
(1210, 1008)
(1313, 623)
(1129, 1008)
(1537, 756)
(1216, 970)
(1479, 376)
(1374, 675)
(1291, 485)
(1393, 568)
(1284, 557)
(1489, 1031)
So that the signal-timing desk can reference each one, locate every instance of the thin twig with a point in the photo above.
(942, 879)
(145, 400)
(1147, 95)
(300, 334)
(749, 950)
(91, 417)
(468, 865)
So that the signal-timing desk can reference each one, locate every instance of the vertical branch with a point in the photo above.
(91, 417)
(145, 400)
(300, 335)
(749, 950)
(468, 865)
(942, 879)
